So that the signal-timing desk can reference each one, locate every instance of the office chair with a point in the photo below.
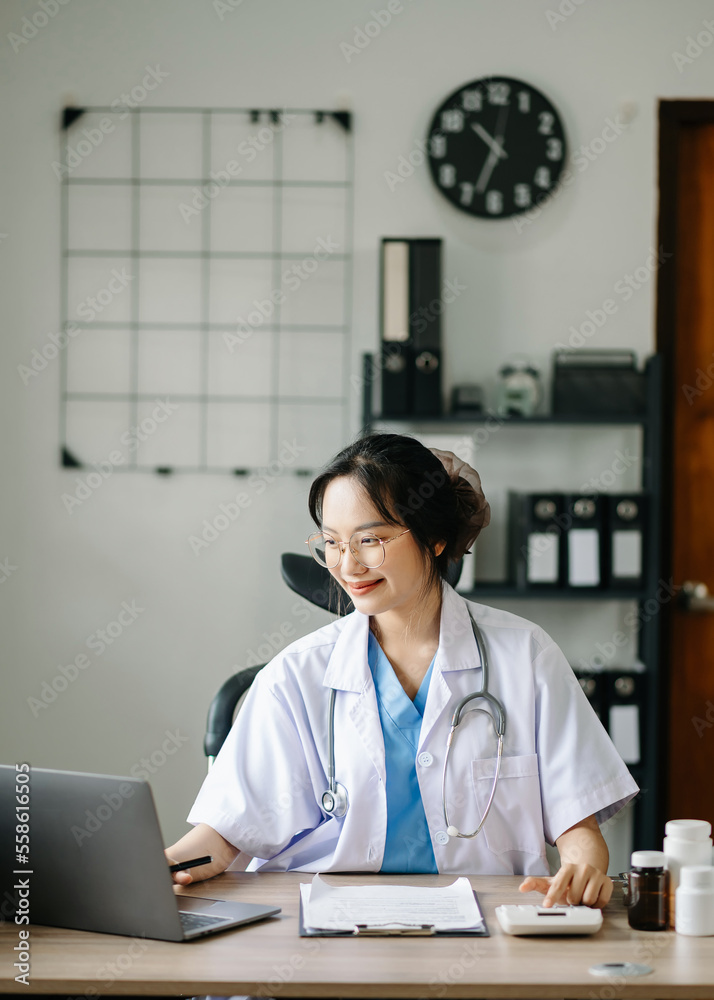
(313, 582)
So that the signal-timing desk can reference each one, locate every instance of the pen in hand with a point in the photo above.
(193, 863)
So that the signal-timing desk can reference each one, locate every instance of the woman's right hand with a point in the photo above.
(202, 840)
(180, 878)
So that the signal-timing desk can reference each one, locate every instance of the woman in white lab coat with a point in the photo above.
(391, 515)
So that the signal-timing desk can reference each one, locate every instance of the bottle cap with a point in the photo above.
(647, 859)
(697, 877)
(688, 829)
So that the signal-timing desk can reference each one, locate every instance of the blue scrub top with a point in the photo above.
(408, 847)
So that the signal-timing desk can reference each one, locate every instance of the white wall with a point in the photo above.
(524, 289)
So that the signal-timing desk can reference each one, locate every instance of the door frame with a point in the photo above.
(673, 115)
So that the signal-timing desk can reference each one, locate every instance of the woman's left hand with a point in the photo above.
(572, 885)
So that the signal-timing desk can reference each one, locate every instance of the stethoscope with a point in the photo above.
(334, 798)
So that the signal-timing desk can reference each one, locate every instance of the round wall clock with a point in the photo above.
(496, 147)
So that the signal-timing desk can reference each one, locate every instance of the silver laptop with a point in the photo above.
(96, 859)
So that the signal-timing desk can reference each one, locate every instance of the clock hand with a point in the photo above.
(494, 145)
(497, 150)
(486, 171)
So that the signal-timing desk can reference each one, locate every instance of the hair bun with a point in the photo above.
(473, 507)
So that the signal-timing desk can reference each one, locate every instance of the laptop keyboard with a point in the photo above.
(198, 921)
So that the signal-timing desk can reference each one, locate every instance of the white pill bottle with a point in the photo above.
(695, 901)
(686, 842)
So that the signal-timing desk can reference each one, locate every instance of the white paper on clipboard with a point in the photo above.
(389, 907)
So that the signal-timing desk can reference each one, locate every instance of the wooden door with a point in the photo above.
(686, 337)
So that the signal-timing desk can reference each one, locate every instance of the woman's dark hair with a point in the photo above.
(408, 485)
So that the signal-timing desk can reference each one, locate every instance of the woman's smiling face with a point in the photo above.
(398, 584)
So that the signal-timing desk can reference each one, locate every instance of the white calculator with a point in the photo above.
(549, 920)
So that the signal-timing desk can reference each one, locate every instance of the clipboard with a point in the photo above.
(426, 930)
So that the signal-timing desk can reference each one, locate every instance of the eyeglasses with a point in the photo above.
(368, 550)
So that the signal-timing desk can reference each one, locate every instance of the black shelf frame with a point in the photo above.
(510, 591)
(649, 806)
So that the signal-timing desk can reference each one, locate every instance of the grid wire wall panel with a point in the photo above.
(206, 287)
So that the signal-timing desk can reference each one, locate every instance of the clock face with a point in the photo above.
(496, 147)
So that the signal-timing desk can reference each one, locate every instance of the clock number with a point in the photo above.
(494, 202)
(467, 193)
(545, 122)
(452, 120)
(498, 93)
(542, 177)
(472, 100)
(522, 195)
(524, 101)
(554, 149)
(438, 146)
(447, 175)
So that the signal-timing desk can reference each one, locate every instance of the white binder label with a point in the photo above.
(624, 731)
(543, 548)
(396, 291)
(626, 554)
(583, 557)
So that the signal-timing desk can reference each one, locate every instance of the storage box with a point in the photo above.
(597, 383)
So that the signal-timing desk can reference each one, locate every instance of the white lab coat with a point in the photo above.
(559, 766)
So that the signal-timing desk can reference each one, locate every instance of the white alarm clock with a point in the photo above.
(519, 391)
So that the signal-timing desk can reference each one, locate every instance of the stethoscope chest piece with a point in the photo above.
(334, 800)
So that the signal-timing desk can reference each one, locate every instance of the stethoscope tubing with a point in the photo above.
(499, 726)
(336, 795)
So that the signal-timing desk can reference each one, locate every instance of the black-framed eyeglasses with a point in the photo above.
(367, 549)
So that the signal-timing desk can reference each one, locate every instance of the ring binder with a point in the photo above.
(626, 529)
(584, 517)
(626, 692)
(410, 324)
(537, 555)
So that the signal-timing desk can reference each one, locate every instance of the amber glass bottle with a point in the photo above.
(647, 893)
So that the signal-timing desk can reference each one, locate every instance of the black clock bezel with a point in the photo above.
(477, 208)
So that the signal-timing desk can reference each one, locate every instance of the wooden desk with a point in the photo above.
(269, 959)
